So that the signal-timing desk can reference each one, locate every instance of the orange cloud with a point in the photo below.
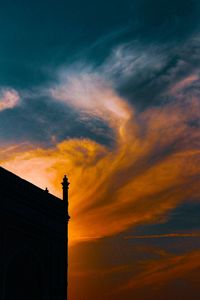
(168, 235)
(184, 83)
(153, 166)
(167, 268)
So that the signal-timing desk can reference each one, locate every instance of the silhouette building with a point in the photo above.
(33, 240)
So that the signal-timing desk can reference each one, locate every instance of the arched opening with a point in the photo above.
(23, 280)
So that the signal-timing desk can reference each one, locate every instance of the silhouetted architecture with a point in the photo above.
(33, 240)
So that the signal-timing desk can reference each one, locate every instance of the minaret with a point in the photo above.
(65, 185)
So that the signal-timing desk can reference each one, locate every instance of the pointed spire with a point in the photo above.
(65, 181)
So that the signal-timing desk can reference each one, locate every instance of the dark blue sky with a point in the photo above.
(41, 39)
(37, 36)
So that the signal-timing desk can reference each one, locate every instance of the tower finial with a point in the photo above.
(65, 184)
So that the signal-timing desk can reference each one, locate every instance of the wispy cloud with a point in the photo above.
(153, 162)
(91, 94)
(166, 269)
(152, 167)
(168, 235)
(9, 98)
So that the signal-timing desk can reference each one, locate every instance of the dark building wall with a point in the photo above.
(33, 245)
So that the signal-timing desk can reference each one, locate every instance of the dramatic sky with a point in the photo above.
(108, 92)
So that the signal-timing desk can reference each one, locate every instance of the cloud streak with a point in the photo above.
(160, 236)
(165, 269)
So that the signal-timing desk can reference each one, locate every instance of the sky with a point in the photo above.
(108, 93)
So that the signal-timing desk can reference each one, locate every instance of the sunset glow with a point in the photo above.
(122, 121)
